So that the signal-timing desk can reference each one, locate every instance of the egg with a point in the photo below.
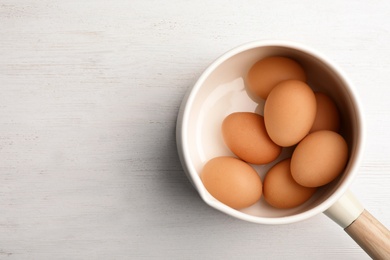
(280, 189)
(289, 112)
(327, 116)
(270, 71)
(232, 181)
(319, 158)
(244, 133)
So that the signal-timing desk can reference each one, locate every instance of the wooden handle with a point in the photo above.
(371, 235)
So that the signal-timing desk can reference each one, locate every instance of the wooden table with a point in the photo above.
(90, 92)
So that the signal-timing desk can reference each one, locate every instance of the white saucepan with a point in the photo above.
(221, 90)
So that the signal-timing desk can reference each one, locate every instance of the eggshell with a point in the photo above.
(327, 116)
(232, 181)
(289, 112)
(280, 189)
(319, 158)
(244, 133)
(268, 72)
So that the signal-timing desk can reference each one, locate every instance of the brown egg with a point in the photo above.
(289, 112)
(319, 158)
(268, 72)
(244, 133)
(232, 182)
(327, 117)
(280, 189)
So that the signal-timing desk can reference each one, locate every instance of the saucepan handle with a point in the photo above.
(371, 235)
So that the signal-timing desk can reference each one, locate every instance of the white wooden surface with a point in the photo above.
(90, 92)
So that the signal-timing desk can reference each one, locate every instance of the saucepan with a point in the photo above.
(221, 90)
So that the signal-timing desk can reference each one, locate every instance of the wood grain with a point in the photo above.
(90, 92)
(371, 235)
